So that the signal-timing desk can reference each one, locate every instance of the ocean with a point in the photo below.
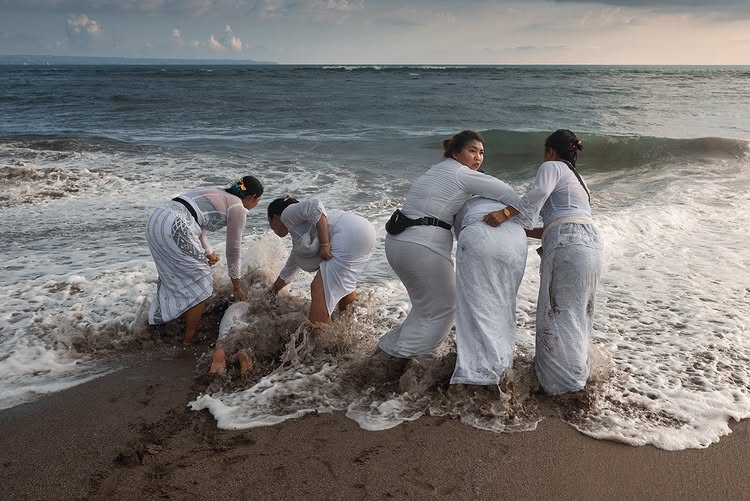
(87, 151)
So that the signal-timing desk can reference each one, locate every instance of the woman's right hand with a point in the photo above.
(212, 258)
(325, 252)
(239, 294)
(495, 218)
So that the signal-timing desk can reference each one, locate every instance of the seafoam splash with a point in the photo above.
(670, 361)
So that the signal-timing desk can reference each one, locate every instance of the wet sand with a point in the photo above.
(129, 435)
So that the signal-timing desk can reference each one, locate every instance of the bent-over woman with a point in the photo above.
(572, 262)
(490, 263)
(421, 254)
(177, 237)
(335, 243)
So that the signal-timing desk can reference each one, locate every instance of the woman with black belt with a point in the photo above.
(421, 253)
(177, 237)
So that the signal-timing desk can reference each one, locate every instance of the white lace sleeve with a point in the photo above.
(204, 242)
(290, 269)
(547, 177)
(236, 218)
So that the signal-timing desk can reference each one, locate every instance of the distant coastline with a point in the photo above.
(104, 60)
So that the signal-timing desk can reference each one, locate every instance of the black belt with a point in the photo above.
(188, 207)
(432, 221)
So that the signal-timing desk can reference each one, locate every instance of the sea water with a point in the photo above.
(87, 151)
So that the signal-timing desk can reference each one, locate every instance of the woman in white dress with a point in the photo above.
(336, 244)
(420, 253)
(572, 263)
(490, 263)
(177, 237)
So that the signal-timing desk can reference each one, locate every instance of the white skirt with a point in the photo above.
(571, 266)
(490, 263)
(352, 240)
(431, 283)
(184, 276)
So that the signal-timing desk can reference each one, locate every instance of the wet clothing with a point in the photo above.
(178, 243)
(490, 263)
(421, 255)
(572, 263)
(352, 238)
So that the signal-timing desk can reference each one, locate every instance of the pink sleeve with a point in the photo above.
(236, 218)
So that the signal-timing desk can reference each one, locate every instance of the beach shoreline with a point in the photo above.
(130, 435)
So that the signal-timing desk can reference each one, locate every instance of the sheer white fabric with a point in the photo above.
(490, 263)
(352, 238)
(216, 208)
(421, 255)
(184, 276)
(441, 192)
(300, 219)
(572, 264)
(431, 283)
(554, 193)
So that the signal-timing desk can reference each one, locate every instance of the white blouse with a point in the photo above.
(215, 209)
(441, 192)
(300, 219)
(555, 193)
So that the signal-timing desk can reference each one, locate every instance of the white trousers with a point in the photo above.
(571, 266)
(430, 280)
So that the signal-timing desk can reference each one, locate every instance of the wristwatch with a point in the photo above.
(507, 213)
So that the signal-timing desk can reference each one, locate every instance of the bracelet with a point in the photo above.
(325, 245)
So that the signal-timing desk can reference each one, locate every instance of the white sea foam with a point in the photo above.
(671, 320)
(670, 361)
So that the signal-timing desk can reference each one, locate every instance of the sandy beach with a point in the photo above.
(129, 435)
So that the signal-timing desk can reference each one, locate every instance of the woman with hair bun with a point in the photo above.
(334, 243)
(572, 262)
(419, 243)
(177, 237)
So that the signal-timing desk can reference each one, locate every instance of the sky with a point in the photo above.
(384, 31)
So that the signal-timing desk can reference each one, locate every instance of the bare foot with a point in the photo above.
(246, 365)
(218, 363)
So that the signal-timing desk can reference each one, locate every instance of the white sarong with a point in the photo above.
(431, 283)
(572, 263)
(184, 276)
(352, 240)
(490, 264)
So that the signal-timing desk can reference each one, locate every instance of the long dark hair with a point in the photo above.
(458, 142)
(565, 143)
(277, 206)
(245, 187)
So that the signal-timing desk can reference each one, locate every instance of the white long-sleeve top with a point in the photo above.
(555, 193)
(300, 219)
(441, 192)
(215, 209)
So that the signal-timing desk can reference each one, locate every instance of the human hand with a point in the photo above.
(212, 258)
(495, 218)
(325, 252)
(239, 294)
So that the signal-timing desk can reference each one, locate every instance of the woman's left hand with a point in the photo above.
(495, 218)
(325, 252)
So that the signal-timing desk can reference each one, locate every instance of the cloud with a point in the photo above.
(214, 44)
(82, 31)
(662, 3)
(231, 40)
(176, 35)
(719, 9)
(227, 40)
